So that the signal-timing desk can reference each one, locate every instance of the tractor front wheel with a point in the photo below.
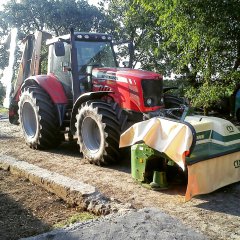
(38, 118)
(98, 132)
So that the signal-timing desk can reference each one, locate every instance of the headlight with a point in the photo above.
(149, 102)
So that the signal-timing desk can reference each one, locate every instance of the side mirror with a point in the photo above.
(59, 49)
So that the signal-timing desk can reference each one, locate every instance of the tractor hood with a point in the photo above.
(134, 90)
(124, 74)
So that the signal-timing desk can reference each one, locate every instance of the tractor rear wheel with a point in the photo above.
(98, 132)
(38, 118)
(174, 103)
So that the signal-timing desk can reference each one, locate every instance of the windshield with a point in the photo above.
(98, 54)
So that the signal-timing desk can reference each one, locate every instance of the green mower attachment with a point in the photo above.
(208, 147)
(143, 160)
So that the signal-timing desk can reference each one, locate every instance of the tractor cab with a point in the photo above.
(72, 57)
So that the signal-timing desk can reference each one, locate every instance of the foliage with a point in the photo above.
(204, 96)
(129, 21)
(54, 16)
(3, 111)
(202, 39)
(179, 83)
(2, 93)
(3, 56)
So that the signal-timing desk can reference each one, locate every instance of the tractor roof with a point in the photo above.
(82, 36)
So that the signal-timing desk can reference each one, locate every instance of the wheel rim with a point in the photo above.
(29, 120)
(91, 134)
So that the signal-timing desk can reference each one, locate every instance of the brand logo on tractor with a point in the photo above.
(230, 128)
(236, 163)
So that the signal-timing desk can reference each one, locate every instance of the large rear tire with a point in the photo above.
(38, 118)
(172, 101)
(98, 132)
(175, 104)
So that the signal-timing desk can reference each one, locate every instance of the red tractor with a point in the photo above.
(84, 93)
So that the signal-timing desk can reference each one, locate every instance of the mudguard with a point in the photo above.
(51, 85)
(83, 98)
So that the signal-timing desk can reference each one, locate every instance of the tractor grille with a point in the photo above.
(152, 92)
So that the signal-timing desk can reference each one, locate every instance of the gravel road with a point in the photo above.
(216, 215)
(149, 223)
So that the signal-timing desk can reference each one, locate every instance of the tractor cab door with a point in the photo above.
(60, 66)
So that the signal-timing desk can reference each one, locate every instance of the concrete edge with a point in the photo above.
(72, 191)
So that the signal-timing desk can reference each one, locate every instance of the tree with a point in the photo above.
(3, 56)
(2, 93)
(202, 39)
(54, 16)
(128, 21)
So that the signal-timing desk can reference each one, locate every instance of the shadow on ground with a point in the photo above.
(3, 136)
(71, 149)
(216, 201)
(67, 148)
(17, 222)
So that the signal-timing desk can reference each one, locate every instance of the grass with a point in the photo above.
(3, 111)
(78, 217)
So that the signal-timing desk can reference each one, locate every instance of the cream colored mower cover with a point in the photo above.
(169, 137)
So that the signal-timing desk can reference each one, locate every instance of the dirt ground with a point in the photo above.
(27, 209)
(216, 215)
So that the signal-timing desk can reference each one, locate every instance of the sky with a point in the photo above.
(93, 2)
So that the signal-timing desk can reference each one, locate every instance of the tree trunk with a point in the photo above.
(205, 111)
